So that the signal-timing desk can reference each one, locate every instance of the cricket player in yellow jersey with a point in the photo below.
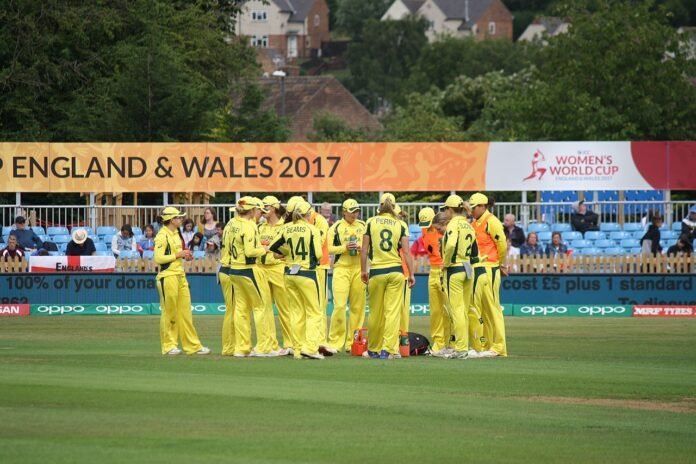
(321, 224)
(344, 239)
(384, 236)
(300, 243)
(274, 275)
(176, 321)
(492, 243)
(227, 291)
(460, 253)
(405, 318)
(244, 250)
(440, 328)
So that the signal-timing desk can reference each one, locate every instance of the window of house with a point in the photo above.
(431, 25)
(491, 28)
(259, 15)
(260, 41)
(317, 20)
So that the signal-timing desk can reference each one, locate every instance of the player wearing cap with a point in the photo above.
(322, 225)
(176, 322)
(244, 250)
(225, 282)
(301, 243)
(440, 327)
(405, 318)
(347, 286)
(460, 252)
(274, 276)
(384, 236)
(492, 243)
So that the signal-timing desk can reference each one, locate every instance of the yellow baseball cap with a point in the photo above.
(170, 213)
(453, 201)
(270, 200)
(351, 205)
(260, 205)
(387, 196)
(292, 202)
(302, 207)
(248, 203)
(425, 217)
(478, 199)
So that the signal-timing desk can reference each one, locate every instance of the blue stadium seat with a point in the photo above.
(614, 251)
(580, 243)
(200, 254)
(665, 244)
(629, 243)
(638, 234)
(619, 235)
(106, 230)
(669, 235)
(571, 235)
(100, 246)
(129, 254)
(62, 247)
(55, 253)
(107, 239)
(595, 235)
(148, 254)
(53, 231)
(38, 230)
(609, 227)
(137, 230)
(538, 227)
(633, 226)
(544, 236)
(636, 250)
(6, 230)
(676, 226)
(104, 253)
(604, 243)
(89, 230)
(63, 238)
(591, 251)
(560, 227)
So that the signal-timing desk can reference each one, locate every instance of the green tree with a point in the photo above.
(381, 63)
(327, 127)
(421, 119)
(352, 16)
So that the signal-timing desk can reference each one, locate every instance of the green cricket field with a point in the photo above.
(95, 389)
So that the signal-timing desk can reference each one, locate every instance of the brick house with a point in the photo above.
(306, 97)
(480, 19)
(293, 28)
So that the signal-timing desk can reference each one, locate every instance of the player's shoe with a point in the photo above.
(204, 350)
(473, 354)
(488, 354)
(285, 352)
(370, 354)
(459, 355)
(443, 353)
(242, 355)
(327, 350)
(174, 352)
(384, 354)
(312, 355)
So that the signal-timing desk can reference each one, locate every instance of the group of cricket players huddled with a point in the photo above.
(275, 254)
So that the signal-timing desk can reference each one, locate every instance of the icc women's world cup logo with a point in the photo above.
(538, 170)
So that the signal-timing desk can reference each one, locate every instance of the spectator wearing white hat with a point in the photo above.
(689, 224)
(81, 244)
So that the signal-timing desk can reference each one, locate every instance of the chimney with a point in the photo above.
(466, 11)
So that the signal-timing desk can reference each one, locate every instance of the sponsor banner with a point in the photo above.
(197, 309)
(664, 311)
(72, 264)
(573, 310)
(507, 309)
(11, 310)
(248, 167)
(143, 309)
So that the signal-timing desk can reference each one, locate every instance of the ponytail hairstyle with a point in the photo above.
(280, 211)
(491, 202)
(296, 215)
(387, 207)
(439, 219)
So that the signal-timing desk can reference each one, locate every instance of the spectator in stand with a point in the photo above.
(531, 247)
(583, 219)
(209, 225)
(187, 231)
(683, 247)
(650, 243)
(157, 225)
(81, 244)
(124, 240)
(26, 237)
(212, 247)
(689, 225)
(513, 231)
(220, 227)
(325, 211)
(13, 250)
(196, 243)
(556, 249)
(512, 253)
(148, 240)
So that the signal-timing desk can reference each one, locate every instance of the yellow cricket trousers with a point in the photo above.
(228, 321)
(275, 279)
(440, 323)
(305, 296)
(405, 309)
(247, 300)
(323, 279)
(459, 295)
(385, 293)
(347, 287)
(176, 321)
(487, 301)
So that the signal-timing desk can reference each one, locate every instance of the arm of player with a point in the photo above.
(495, 229)
(450, 240)
(275, 247)
(364, 276)
(409, 261)
(316, 243)
(252, 249)
(161, 256)
(334, 239)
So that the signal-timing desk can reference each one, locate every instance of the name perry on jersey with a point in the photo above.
(386, 221)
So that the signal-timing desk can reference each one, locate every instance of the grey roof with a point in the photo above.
(457, 9)
(298, 9)
(413, 5)
(550, 23)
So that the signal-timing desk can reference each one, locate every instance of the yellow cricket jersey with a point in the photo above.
(322, 225)
(491, 239)
(268, 234)
(303, 242)
(385, 232)
(460, 243)
(245, 247)
(339, 236)
(226, 244)
(167, 244)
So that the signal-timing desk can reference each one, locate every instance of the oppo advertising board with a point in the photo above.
(346, 167)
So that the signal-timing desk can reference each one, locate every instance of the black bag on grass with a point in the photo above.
(418, 343)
